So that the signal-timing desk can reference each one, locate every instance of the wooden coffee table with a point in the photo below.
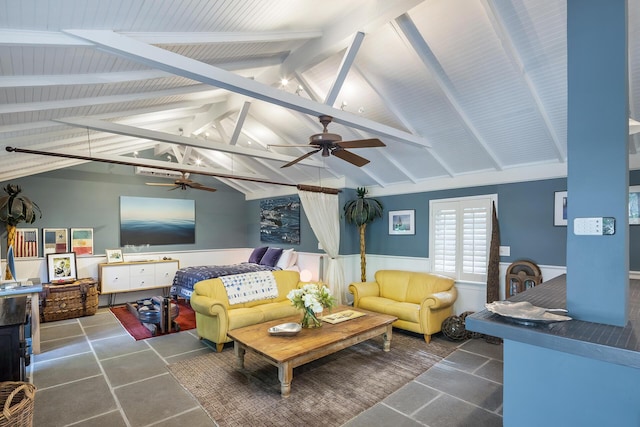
(288, 352)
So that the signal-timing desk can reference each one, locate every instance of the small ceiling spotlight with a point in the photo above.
(206, 135)
(299, 90)
(135, 154)
(198, 162)
(169, 157)
(284, 82)
(361, 110)
(181, 131)
(343, 105)
(248, 142)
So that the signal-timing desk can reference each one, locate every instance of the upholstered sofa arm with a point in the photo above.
(363, 289)
(207, 306)
(440, 300)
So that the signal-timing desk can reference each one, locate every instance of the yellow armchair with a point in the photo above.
(420, 301)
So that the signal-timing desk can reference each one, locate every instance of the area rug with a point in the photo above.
(186, 320)
(326, 392)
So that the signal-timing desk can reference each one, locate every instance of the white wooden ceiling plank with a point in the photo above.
(412, 34)
(512, 53)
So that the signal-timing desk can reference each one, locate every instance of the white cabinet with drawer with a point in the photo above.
(136, 276)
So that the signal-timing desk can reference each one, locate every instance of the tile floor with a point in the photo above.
(92, 373)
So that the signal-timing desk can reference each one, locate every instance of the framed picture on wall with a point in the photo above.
(560, 209)
(55, 240)
(402, 222)
(634, 205)
(114, 256)
(62, 267)
(82, 241)
(26, 243)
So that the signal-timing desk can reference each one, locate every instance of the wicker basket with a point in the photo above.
(16, 400)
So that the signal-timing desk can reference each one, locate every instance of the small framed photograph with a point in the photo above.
(82, 241)
(62, 267)
(560, 209)
(634, 205)
(55, 240)
(402, 222)
(114, 256)
(26, 243)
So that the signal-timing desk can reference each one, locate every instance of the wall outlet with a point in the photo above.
(505, 251)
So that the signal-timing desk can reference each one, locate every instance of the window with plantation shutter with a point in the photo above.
(460, 234)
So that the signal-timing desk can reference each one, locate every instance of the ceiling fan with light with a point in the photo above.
(183, 183)
(332, 144)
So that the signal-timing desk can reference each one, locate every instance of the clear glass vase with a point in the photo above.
(309, 319)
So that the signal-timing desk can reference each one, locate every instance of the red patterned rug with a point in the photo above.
(186, 320)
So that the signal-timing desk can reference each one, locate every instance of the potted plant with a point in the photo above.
(15, 209)
(362, 211)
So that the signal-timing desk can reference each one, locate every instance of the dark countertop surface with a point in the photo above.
(13, 311)
(614, 344)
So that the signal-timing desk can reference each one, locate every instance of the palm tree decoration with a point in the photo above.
(362, 211)
(15, 209)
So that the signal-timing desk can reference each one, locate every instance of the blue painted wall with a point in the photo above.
(525, 213)
(89, 196)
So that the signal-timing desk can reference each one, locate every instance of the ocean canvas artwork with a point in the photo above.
(153, 221)
(280, 220)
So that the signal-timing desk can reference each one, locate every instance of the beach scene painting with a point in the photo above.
(152, 221)
(280, 220)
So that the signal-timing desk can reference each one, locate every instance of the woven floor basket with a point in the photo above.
(17, 400)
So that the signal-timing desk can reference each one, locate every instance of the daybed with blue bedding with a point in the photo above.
(261, 259)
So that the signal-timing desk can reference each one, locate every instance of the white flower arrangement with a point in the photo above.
(312, 297)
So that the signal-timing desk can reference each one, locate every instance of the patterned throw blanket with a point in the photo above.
(250, 286)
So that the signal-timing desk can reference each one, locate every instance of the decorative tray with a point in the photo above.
(341, 316)
(285, 329)
(526, 313)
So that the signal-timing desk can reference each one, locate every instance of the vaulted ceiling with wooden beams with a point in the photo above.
(460, 92)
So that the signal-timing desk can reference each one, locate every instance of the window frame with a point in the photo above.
(458, 204)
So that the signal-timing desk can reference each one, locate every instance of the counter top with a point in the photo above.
(19, 290)
(613, 344)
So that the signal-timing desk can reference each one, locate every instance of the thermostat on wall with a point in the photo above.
(594, 226)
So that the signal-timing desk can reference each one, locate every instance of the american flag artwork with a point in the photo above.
(26, 244)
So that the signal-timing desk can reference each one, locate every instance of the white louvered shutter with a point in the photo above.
(460, 233)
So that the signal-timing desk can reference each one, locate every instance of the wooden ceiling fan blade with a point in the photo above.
(361, 143)
(198, 186)
(348, 156)
(292, 145)
(304, 156)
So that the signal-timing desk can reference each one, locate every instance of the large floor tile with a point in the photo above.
(62, 347)
(447, 411)
(63, 370)
(174, 344)
(411, 397)
(479, 391)
(106, 330)
(63, 330)
(99, 318)
(465, 361)
(492, 370)
(72, 402)
(382, 415)
(117, 346)
(110, 419)
(155, 399)
(481, 346)
(133, 367)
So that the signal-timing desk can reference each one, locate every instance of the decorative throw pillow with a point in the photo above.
(257, 254)
(285, 259)
(271, 257)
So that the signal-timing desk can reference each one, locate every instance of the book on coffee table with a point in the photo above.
(341, 316)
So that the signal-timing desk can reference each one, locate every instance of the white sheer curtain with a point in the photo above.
(323, 212)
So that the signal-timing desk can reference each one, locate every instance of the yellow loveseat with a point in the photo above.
(420, 301)
(214, 315)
